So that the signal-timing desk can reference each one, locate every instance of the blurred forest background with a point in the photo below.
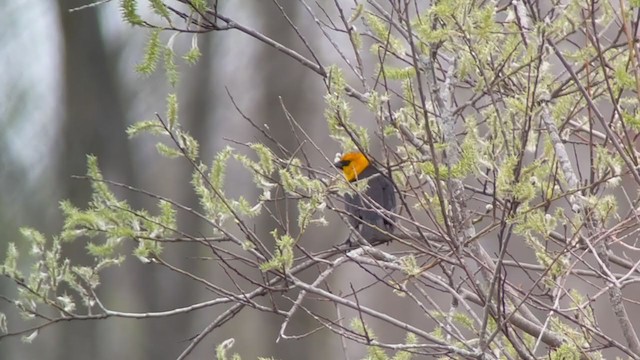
(69, 88)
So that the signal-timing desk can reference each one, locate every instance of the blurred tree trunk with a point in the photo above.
(95, 120)
(93, 123)
(197, 107)
(281, 77)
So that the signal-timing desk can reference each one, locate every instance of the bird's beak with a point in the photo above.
(341, 164)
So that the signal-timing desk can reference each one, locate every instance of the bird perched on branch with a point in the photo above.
(370, 210)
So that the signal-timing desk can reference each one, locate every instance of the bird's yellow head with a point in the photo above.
(352, 165)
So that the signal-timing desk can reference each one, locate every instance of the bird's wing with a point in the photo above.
(388, 196)
(353, 206)
(380, 194)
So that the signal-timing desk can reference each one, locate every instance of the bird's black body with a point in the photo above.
(371, 211)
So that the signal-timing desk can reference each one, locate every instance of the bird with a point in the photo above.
(366, 209)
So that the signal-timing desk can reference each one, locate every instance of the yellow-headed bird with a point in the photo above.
(367, 209)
